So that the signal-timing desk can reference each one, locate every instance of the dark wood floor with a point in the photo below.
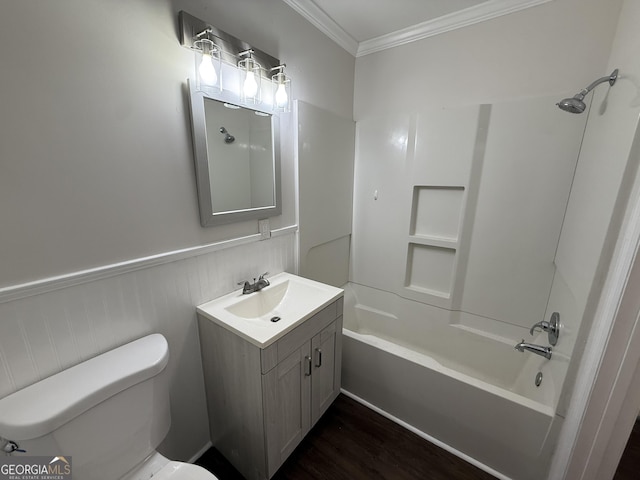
(629, 466)
(352, 442)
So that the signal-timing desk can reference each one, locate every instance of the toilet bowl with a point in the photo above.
(108, 414)
(159, 467)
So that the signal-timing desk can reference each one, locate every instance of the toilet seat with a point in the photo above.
(183, 471)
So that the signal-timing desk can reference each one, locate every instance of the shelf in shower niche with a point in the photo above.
(427, 291)
(442, 242)
(430, 269)
(437, 211)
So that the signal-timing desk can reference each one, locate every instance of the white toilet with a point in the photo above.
(108, 414)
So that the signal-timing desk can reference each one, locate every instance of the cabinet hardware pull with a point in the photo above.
(319, 358)
(307, 359)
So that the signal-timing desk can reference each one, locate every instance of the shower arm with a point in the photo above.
(611, 79)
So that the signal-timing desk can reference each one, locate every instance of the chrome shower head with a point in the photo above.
(228, 138)
(576, 103)
(573, 104)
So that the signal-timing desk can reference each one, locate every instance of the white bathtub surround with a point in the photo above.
(474, 249)
(474, 234)
(472, 392)
(44, 333)
(499, 308)
(325, 147)
(604, 405)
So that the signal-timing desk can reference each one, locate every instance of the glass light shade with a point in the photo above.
(250, 79)
(208, 67)
(282, 92)
(207, 71)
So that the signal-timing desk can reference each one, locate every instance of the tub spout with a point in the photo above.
(537, 349)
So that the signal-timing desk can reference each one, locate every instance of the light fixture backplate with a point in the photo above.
(230, 46)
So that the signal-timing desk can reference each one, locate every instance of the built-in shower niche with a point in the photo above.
(430, 269)
(436, 214)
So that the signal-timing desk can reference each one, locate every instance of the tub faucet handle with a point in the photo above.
(543, 326)
(552, 327)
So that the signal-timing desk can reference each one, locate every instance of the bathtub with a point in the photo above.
(469, 393)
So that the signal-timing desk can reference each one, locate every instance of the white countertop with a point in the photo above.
(292, 298)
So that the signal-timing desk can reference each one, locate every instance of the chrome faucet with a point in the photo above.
(537, 349)
(256, 286)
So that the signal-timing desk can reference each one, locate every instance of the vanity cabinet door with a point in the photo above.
(325, 379)
(287, 391)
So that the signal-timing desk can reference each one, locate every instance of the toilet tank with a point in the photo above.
(108, 413)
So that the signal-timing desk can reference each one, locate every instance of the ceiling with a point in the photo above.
(366, 26)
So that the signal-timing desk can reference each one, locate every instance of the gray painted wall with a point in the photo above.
(95, 141)
(96, 168)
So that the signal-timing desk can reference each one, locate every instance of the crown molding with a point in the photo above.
(324, 23)
(463, 18)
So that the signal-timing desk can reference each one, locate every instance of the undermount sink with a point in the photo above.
(263, 317)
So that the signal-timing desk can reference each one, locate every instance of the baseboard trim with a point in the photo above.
(15, 292)
(200, 452)
(427, 437)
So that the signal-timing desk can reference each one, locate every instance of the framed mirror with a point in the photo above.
(237, 159)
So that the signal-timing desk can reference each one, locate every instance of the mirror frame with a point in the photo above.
(209, 218)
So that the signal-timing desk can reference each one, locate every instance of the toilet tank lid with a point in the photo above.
(41, 408)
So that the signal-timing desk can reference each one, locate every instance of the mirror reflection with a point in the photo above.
(237, 158)
(240, 151)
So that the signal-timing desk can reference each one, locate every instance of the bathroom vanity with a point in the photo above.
(268, 382)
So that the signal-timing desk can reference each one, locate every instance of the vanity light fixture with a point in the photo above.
(282, 89)
(250, 74)
(207, 62)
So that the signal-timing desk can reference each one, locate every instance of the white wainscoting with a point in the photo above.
(56, 323)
